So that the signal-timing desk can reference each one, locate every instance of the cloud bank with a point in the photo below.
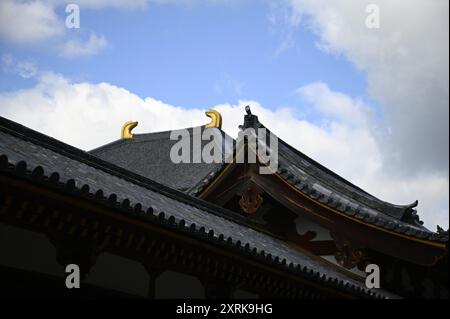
(75, 48)
(407, 66)
(28, 22)
(76, 113)
(32, 23)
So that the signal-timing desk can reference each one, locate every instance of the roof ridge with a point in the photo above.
(142, 137)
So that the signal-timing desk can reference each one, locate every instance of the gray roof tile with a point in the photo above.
(149, 155)
(26, 149)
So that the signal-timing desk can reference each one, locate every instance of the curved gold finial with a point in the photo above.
(216, 119)
(126, 130)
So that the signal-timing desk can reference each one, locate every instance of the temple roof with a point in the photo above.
(149, 155)
(39, 159)
(320, 184)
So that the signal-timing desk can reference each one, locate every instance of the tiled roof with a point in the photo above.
(326, 187)
(30, 155)
(149, 155)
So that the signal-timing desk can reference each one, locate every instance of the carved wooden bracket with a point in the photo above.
(81, 253)
(251, 200)
(349, 255)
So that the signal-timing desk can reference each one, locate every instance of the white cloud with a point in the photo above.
(75, 48)
(336, 105)
(24, 69)
(407, 66)
(88, 115)
(194, 2)
(136, 4)
(35, 22)
(28, 22)
(100, 4)
(101, 108)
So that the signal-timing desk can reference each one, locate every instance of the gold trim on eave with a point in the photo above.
(216, 119)
(217, 178)
(126, 130)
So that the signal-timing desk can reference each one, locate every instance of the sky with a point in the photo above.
(360, 86)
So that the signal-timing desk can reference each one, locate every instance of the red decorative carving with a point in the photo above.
(250, 200)
(348, 255)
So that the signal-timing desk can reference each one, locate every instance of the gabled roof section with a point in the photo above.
(314, 181)
(149, 155)
(298, 168)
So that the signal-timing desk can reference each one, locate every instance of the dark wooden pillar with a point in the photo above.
(153, 274)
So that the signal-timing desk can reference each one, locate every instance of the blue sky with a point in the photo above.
(369, 103)
(196, 56)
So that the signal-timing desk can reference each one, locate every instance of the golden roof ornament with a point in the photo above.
(216, 119)
(126, 130)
